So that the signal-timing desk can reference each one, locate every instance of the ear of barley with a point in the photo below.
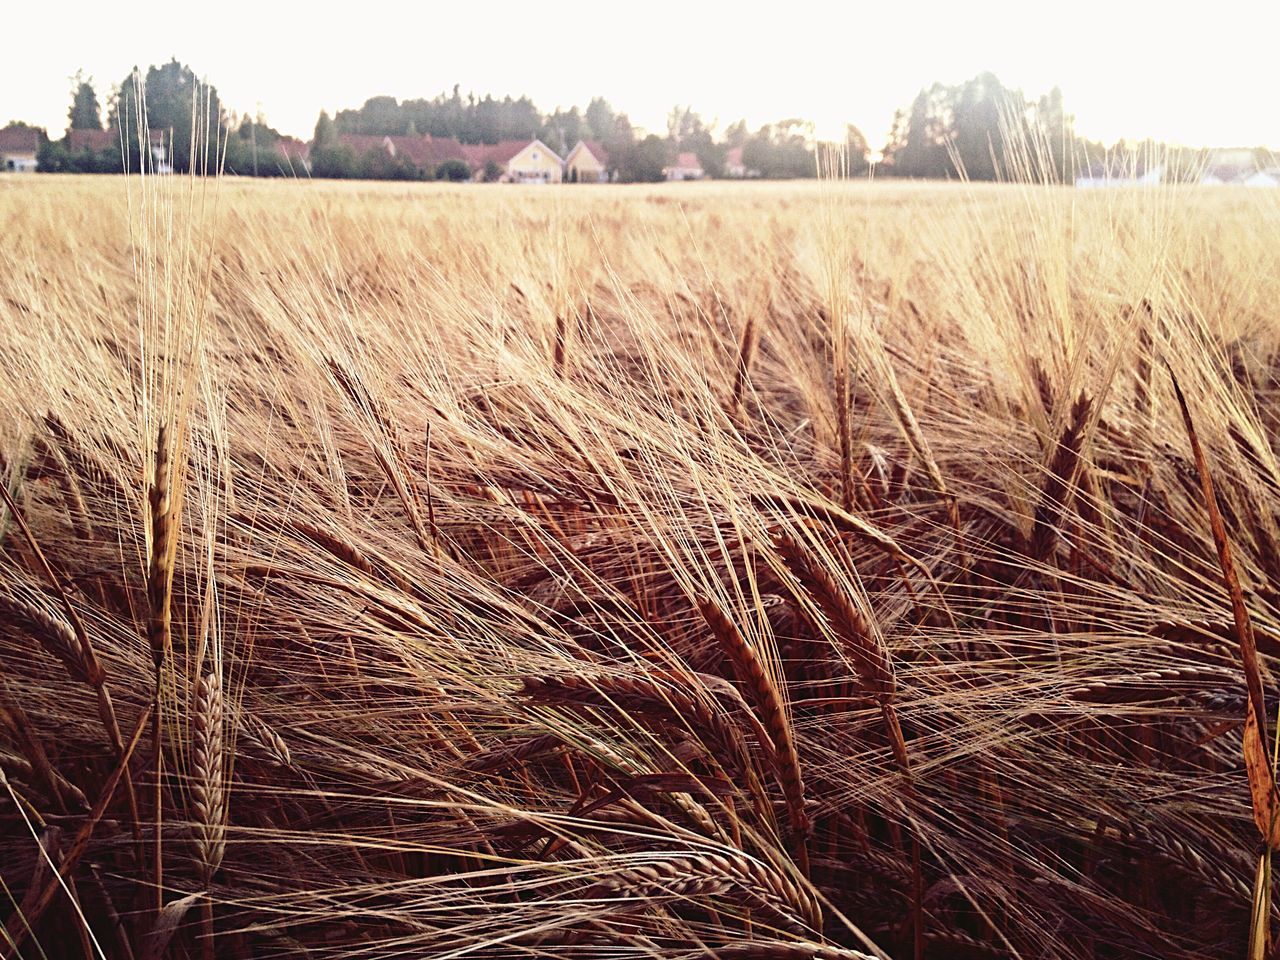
(1060, 480)
(751, 673)
(867, 651)
(72, 495)
(645, 695)
(23, 608)
(782, 950)
(725, 874)
(742, 368)
(208, 774)
(268, 742)
(162, 550)
(163, 546)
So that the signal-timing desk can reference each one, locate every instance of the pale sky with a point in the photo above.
(1201, 74)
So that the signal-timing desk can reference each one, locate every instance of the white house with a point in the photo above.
(1101, 177)
(520, 161)
(113, 141)
(587, 162)
(535, 162)
(1152, 177)
(686, 167)
(18, 149)
(1236, 167)
(734, 167)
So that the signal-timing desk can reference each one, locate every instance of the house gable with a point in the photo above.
(586, 156)
(587, 163)
(535, 154)
(536, 162)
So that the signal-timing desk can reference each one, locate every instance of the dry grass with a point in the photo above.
(506, 575)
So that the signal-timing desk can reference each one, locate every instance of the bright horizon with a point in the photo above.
(1136, 70)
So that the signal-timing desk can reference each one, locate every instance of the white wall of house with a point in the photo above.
(160, 159)
(536, 163)
(18, 162)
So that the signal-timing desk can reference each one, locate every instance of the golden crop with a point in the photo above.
(769, 571)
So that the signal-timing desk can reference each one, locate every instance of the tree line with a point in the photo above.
(979, 129)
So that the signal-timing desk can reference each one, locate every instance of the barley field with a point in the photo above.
(760, 572)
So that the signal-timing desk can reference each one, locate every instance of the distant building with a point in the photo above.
(516, 161)
(100, 141)
(1152, 176)
(18, 149)
(587, 162)
(423, 153)
(1119, 175)
(1237, 168)
(294, 156)
(686, 167)
(93, 141)
(1239, 158)
(534, 162)
(733, 166)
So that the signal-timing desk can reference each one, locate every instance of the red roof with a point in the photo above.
(19, 140)
(733, 157)
(97, 140)
(425, 151)
(291, 148)
(596, 150)
(688, 161)
(500, 153)
(362, 144)
(429, 152)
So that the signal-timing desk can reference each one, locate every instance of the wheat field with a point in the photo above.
(756, 571)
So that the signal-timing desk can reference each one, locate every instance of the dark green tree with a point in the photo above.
(184, 110)
(325, 134)
(986, 131)
(644, 162)
(563, 129)
(736, 134)
(456, 171)
(917, 146)
(85, 112)
(688, 132)
(981, 113)
(620, 140)
(482, 121)
(600, 119)
(1054, 143)
(54, 157)
(337, 162)
(857, 152)
(781, 151)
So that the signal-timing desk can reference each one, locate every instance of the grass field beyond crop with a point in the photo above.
(766, 572)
